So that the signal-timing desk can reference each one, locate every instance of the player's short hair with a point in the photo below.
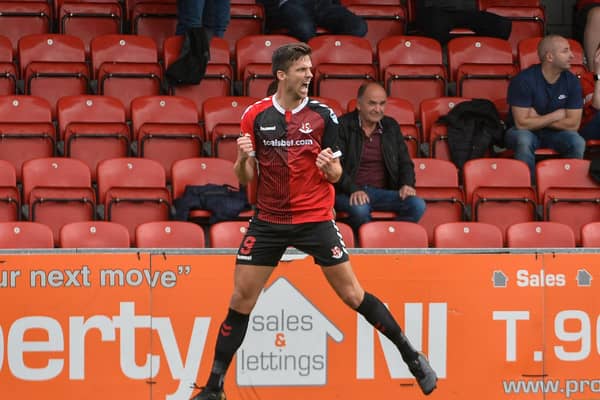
(287, 54)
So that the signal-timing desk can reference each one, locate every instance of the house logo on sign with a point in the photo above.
(286, 342)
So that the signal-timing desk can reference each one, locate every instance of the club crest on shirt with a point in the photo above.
(336, 252)
(305, 128)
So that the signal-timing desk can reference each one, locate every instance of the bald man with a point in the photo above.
(546, 105)
(377, 171)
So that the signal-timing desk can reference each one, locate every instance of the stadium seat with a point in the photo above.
(246, 19)
(8, 71)
(169, 234)
(227, 234)
(22, 18)
(467, 235)
(482, 68)
(203, 171)
(383, 20)
(10, 199)
(404, 114)
(133, 191)
(567, 192)
(253, 61)
(87, 19)
(499, 191)
(433, 132)
(392, 234)
(540, 234)
(526, 22)
(411, 67)
(155, 18)
(341, 64)
(437, 184)
(53, 66)
(57, 191)
(217, 79)
(166, 129)
(93, 129)
(93, 234)
(25, 235)
(27, 130)
(590, 234)
(222, 116)
(126, 67)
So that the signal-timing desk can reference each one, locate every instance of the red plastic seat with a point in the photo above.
(93, 129)
(58, 191)
(53, 66)
(246, 19)
(169, 234)
(540, 234)
(133, 191)
(567, 192)
(217, 79)
(437, 184)
(203, 171)
(222, 117)
(10, 198)
(25, 235)
(8, 71)
(27, 130)
(411, 67)
(590, 234)
(392, 234)
(341, 64)
(253, 61)
(467, 235)
(22, 18)
(383, 20)
(499, 191)
(155, 18)
(126, 67)
(93, 234)
(526, 22)
(166, 129)
(527, 54)
(87, 19)
(433, 132)
(227, 234)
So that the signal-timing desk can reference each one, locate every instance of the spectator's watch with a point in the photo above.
(596, 77)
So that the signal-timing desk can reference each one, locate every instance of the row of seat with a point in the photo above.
(229, 234)
(59, 190)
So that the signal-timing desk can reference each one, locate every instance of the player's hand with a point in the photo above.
(597, 61)
(245, 147)
(325, 158)
(359, 198)
(406, 191)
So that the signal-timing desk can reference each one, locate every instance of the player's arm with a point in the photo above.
(245, 162)
(329, 163)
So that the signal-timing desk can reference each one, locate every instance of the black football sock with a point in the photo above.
(380, 317)
(230, 338)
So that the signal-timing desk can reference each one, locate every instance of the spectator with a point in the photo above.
(590, 82)
(436, 18)
(213, 15)
(587, 28)
(546, 105)
(378, 174)
(300, 18)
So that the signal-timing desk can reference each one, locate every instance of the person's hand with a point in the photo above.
(406, 191)
(597, 61)
(325, 158)
(359, 198)
(560, 114)
(245, 147)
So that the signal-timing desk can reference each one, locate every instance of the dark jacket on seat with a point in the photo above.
(399, 167)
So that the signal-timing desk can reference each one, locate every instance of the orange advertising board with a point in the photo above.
(142, 326)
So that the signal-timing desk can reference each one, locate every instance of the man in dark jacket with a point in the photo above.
(378, 174)
(300, 18)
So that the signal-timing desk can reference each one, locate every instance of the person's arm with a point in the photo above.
(571, 121)
(526, 118)
(329, 165)
(406, 167)
(245, 163)
(596, 95)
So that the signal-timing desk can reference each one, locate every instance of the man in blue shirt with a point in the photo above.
(546, 105)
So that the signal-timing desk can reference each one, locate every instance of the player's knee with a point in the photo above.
(351, 297)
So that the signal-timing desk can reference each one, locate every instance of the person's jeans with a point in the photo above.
(213, 15)
(302, 17)
(568, 144)
(410, 209)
